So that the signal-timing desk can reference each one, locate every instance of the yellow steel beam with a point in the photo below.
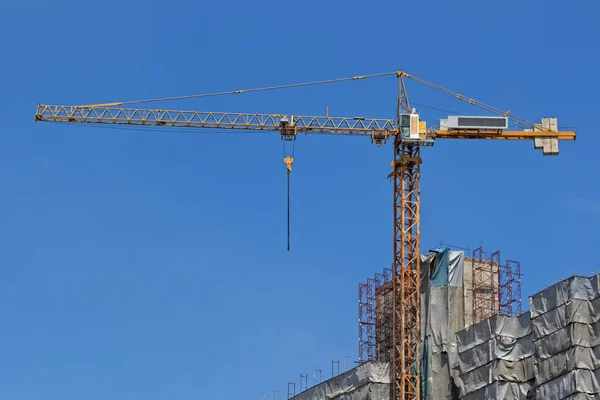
(499, 134)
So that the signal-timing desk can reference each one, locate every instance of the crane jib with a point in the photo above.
(221, 120)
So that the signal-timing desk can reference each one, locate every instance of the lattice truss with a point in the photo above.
(510, 288)
(496, 287)
(218, 120)
(375, 308)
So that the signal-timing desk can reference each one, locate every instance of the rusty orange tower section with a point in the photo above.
(407, 262)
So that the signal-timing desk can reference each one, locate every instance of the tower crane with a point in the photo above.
(407, 133)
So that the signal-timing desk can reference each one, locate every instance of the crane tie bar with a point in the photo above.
(195, 96)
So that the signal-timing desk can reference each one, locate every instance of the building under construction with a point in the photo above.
(475, 341)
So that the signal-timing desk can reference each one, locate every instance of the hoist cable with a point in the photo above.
(288, 210)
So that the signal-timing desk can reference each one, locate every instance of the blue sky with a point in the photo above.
(153, 265)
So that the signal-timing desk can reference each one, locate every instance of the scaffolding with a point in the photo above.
(384, 327)
(486, 288)
(510, 288)
(366, 324)
(375, 307)
(493, 289)
(496, 287)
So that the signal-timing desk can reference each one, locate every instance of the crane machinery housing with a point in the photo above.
(408, 134)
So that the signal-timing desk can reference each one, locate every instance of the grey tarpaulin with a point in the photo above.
(442, 314)
(425, 363)
(577, 381)
(577, 287)
(456, 269)
(372, 391)
(437, 324)
(499, 370)
(572, 335)
(426, 260)
(582, 311)
(445, 313)
(501, 390)
(551, 352)
(366, 382)
(449, 268)
(442, 307)
(498, 325)
(574, 358)
(441, 270)
(442, 382)
(495, 359)
(566, 328)
(509, 350)
(583, 396)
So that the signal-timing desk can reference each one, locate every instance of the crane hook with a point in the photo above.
(288, 162)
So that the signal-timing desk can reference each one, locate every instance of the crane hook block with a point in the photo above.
(288, 162)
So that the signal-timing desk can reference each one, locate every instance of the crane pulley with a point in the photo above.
(408, 133)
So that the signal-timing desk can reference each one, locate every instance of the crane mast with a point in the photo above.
(406, 268)
(409, 134)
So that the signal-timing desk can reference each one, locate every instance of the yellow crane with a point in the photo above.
(408, 134)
